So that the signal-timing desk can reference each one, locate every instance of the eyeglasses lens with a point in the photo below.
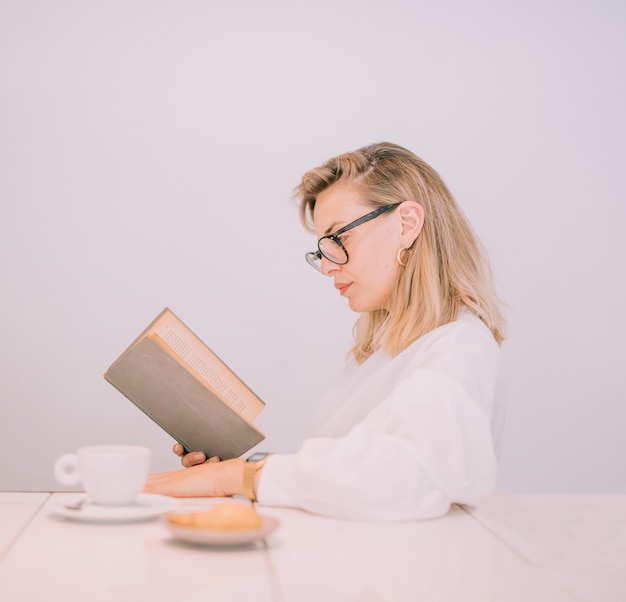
(331, 250)
(314, 260)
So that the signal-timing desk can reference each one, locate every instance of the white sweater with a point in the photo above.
(401, 438)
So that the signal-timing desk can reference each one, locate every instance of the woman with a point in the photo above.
(414, 424)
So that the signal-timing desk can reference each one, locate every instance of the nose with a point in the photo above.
(327, 267)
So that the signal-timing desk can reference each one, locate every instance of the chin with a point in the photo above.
(361, 307)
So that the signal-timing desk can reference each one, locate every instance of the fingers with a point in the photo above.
(192, 458)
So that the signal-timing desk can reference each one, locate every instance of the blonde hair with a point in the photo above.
(446, 269)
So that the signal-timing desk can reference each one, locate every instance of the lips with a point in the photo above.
(342, 287)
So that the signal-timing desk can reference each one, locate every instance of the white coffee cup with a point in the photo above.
(112, 475)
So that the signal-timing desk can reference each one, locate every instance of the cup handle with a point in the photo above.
(66, 470)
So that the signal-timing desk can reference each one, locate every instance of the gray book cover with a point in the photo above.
(180, 403)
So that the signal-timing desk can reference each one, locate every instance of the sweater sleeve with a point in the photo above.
(424, 447)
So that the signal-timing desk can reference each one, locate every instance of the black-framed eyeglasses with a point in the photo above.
(331, 247)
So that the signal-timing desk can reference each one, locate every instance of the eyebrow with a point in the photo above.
(331, 228)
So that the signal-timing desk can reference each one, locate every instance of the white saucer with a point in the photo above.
(210, 537)
(147, 506)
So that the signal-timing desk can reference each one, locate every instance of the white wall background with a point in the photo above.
(148, 150)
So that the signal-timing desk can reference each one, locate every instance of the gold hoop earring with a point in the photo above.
(401, 263)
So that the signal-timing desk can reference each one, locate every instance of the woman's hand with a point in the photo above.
(192, 458)
(209, 479)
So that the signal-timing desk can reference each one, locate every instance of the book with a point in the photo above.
(175, 378)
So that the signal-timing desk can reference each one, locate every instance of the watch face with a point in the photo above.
(258, 456)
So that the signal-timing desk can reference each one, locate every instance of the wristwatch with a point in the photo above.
(253, 464)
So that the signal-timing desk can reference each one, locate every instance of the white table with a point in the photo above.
(513, 548)
(16, 510)
(579, 541)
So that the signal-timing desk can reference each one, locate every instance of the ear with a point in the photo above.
(412, 220)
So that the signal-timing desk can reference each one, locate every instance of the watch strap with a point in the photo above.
(250, 468)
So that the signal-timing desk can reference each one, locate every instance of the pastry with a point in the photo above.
(229, 516)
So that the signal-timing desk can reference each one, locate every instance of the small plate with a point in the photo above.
(148, 506)
(215, 537)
